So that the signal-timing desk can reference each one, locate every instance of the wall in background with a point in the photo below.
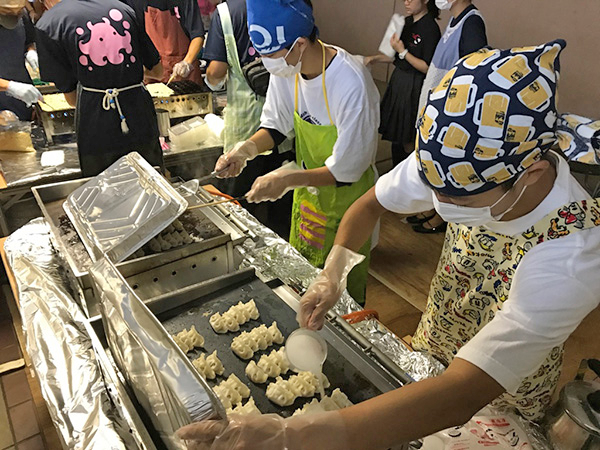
(358, 26)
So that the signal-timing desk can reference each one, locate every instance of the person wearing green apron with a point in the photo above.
(517, 275)
(326, 99)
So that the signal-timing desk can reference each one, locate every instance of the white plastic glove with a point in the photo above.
(327, 288)
(27, 93)
(233, 162)
(325, 431)
(215, 87)
(182, 69)
(270, 187)
(32, 59)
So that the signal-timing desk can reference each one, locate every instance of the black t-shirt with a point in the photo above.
(100, 43)
(188, 13)
(13, 46)
(473, 35)
(420, 38)
(215, 49)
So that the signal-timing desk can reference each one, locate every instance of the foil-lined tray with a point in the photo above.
(164, 381)
(118, 211)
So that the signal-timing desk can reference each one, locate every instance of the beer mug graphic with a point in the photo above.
(488, 149)
(509, 71)
(546, 61)
(499, 173)
(524, 147)
(527, 49)
(490, 114)
(461, 96)
(531, 158)
(566, 142)
(454, 140)
(537, 95)
(480, 58)
(587, 130)
(427, 124)
(519, 129)
(432, 169)
(442, 88)
(462, 175)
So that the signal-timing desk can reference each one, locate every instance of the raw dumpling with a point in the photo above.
(235, 316)
(231, 391)
(249, 409)
(209, 367)
(259, 338)
(187, 340)
(215, 363)
(281, 392)
(269, 366)
(235, 383)
(337, 400)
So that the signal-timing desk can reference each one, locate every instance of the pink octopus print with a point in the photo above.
(106, 44)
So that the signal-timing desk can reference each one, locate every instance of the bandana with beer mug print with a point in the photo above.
(490, 118)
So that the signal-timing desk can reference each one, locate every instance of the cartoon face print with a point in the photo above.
(466, 263)
(596, 215)
(105, 44)
(479, 303)
(490, 265)
(416, 39)
(556, 230)
(507, 251)
(572, 214)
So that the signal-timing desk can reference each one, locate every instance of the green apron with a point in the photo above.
(244, 107)
(317, 212)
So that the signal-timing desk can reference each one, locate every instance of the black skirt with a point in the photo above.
(399, 106)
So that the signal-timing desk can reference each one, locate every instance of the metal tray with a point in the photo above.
(163, 381)
(347, 366)
(172, 269)
(118, 211)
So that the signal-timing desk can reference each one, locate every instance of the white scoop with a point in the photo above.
(306, 351)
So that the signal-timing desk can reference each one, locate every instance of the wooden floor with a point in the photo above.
(402, 266)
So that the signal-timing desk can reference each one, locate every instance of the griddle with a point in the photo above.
(196, 312)
(185, 87)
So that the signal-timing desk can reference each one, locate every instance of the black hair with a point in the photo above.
(313, 34)
(433, 10)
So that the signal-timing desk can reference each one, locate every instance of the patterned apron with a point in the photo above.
(317, 212)
(471, 284)
(244, 107)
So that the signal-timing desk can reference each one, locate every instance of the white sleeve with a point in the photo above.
(402, 191)
(356, 117)
(278, 111)
(555, 287)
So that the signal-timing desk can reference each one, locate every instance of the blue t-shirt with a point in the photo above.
(215, 50)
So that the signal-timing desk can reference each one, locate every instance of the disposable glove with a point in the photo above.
(324, 431)
(327, 287)
(236, 159)
(27, 93)
(32, 59)
(182, 69)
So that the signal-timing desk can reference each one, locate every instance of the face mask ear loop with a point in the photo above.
(500, 216)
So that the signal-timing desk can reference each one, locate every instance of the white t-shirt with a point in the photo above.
(556, 285)
(354, 105)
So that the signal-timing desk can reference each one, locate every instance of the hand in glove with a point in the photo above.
(182, 69)
(233, 162)
(327, 288)
(32, 59)
(268, 432)
(270, 187)
(27, 93)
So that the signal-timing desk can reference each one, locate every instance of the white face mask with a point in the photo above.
(473, 217)
(280, 67)
(444, 4)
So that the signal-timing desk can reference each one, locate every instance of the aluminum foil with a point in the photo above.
(274, 257)
(118, 211)
(164, 382)
(60, 350)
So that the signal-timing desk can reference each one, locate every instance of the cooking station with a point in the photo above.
(139, 286)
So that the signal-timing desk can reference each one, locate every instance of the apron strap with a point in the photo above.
(229, 37)
(324, 88)
(111, 101)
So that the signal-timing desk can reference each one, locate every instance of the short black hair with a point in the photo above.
(433, 10)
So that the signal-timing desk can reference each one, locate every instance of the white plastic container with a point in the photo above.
(396, 25)
(190, 134)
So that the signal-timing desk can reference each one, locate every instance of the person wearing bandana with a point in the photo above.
(327, 100)
(517, 274)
